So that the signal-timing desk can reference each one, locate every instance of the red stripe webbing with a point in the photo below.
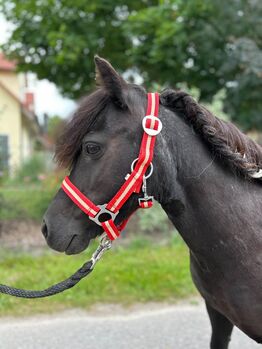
(111, 229)
(146, 204)
(79, 198)
(134, 182)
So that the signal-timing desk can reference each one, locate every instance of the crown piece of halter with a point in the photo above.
(135, 182)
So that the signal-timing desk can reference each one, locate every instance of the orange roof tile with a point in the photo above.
(5, 64)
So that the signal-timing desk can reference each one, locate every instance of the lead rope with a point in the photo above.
(86, 269)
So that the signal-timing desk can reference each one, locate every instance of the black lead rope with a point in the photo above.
(85, 270)
(57, 288)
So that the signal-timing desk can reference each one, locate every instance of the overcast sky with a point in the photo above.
(47, 98)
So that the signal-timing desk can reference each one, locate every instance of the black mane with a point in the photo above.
(239, 151)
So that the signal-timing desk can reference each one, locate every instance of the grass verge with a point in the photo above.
(143, 272)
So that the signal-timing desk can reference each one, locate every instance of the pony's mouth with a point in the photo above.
(75, 246)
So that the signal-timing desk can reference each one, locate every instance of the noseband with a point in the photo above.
(134, 181)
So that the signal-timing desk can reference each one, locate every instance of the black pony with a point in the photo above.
(207, 179)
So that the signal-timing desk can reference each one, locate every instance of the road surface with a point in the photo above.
(168, 327)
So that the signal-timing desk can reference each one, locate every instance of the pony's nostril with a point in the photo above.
(44, 230)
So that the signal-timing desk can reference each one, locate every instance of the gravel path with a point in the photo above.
(176, 327)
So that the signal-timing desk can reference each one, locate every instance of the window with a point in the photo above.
(4, 153)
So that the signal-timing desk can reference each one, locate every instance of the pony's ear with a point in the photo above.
(107, 77)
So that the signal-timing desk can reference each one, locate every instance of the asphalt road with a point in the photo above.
(176, 327)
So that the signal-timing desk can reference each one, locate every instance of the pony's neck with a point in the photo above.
(186, 174)
(181, 159)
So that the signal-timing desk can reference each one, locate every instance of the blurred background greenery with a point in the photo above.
(210, 48)
(210, 45)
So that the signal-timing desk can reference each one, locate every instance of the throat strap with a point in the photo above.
(134, 181)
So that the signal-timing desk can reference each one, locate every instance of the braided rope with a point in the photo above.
(57, 288)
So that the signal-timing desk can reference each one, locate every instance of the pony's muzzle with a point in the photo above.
(44, 229)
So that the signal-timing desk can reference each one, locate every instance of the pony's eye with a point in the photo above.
(92, 148)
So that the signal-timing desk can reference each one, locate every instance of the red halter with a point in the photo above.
(137, 178)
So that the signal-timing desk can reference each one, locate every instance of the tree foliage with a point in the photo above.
(55, 126)
(211, 45)
(57, 39)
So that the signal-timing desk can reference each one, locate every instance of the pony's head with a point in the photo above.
(98, 145)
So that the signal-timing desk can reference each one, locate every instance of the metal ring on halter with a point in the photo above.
(146, 176)
(103, 210)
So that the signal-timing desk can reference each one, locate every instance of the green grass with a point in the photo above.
(143, 272)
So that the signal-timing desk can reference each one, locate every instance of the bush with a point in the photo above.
(7, 207)
(33, 170)
(154, 220)
(24, 203)
(29, 200)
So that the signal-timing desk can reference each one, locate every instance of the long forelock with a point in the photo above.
(240, 152)
(70, 141)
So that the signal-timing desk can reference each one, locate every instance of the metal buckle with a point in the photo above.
(103, 210)
(150, 131)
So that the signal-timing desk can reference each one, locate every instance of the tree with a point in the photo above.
(211, 45)
(58, 39)
(55, 126)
